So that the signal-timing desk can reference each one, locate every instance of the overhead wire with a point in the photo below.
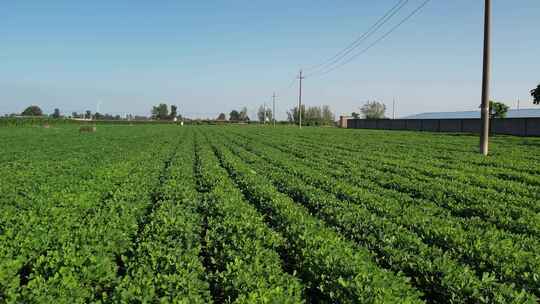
(358, 41)
(379, 40)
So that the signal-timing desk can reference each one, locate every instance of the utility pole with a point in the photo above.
(484, 135)
(518, 105)
(394, 108)
(264, 113)
(300, 78)
(274, 108)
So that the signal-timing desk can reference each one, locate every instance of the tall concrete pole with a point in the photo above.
(300, 77)
(484, 135)
(274, 108)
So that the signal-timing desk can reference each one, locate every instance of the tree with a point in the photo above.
(373, 110)
(313, 116)
(264, 113)
(56, 113)
(328, 117)
(32, 111)
(292, 114)
(355, 115)
(535, 93)
(174, 112)
(160, 112)
(497, 109)
(221, 117)
(88, 114)
(243, 116)
(234, 116)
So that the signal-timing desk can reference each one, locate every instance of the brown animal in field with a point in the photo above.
(89, 129)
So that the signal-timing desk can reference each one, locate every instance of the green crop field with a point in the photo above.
(232, 214)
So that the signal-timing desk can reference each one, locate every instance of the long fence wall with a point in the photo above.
(507, 126)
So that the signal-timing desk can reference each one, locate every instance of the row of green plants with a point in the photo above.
(515, 215)
(500, 182)
(511, 212)
(163, 263)
(369, 175)
(511, 257)
(333, 269)
(448, 185)
(512, 155)
(442, 278)
(244, 264)
(504, 172)
(66, 221)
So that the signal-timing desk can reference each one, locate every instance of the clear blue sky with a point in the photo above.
(213, 56)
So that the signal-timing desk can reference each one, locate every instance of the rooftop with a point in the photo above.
(522, 113)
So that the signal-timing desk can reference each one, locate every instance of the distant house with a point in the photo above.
(343, 121)
(522, 113)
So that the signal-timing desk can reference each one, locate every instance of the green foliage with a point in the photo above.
(221, 117)
(312, 116)
(56, 113)
(369, 216)
(160, 112)
(32, 111)
(498, 109)
(239, 116)
(373, 110)
(236, 214)
(535, 93)
(234, 116)
(337, 270)
(174, 112)
(243, 250)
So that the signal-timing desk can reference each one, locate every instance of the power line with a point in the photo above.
(393, 29)
(289, 86)
(356, 43)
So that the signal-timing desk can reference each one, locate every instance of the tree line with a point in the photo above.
(312, 115)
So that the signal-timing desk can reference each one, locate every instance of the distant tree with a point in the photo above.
(88, 114)
(234, 116)
(355, 115)
(373, 110)
(328, 117)
(243, 115)
(313, 116)
(174, 112)
(160, 112)
(535, 93)
(75, 115)
(264, 113)
(293, 115)
(32, 111)
(497, 109)
(221, 117)
(56, 113)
